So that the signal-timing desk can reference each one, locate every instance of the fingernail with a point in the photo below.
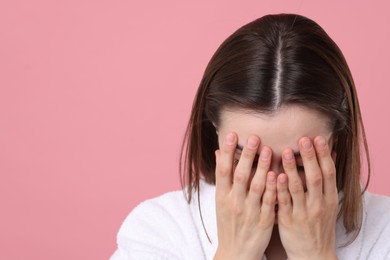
(264, 154)
(306, 144)
(252, 142)
(320, 142)
(230, 138)
(282, 179)
(271, 178)
(288, 155)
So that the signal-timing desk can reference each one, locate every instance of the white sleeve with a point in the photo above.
(376, 241)
(148, 232)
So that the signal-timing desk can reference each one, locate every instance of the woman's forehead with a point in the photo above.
(279, 130)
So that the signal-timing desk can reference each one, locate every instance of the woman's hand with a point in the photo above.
(307, 220)
(245, 211)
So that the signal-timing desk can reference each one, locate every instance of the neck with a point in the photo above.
(275, 248)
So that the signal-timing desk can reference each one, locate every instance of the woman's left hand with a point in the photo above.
(307, 220)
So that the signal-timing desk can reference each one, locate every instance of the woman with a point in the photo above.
(271, 158)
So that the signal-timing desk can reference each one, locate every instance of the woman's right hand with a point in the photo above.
(245, 211)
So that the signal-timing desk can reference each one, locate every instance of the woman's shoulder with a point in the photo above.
(376, 215)
(376, 204)
(158, 212)
(170, 204)
(159, 226)
(162, 203)
(149, 230)
(375, 232)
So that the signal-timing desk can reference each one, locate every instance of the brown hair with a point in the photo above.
(277, 60)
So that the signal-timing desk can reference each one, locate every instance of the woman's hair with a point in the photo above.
(273, 61)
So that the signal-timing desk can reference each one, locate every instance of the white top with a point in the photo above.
(167, 227)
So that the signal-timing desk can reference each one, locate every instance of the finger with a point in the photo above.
(327, 166)
(244, 167)
(313, 172)
(295, 186)
(224, 164)
(258, 183)
(269, 197)
(283, 196)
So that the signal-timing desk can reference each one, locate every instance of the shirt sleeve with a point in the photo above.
(376, 241)
(148, 233)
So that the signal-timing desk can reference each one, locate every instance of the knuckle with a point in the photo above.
(282, 191)
(227, 150)
(290, 166)
(268, 200)
(223, 170)
(240, 177)
(296, 187)
(323, 151)
(271, 187)
(266, 221)
(247, 154)
(309, 155)
(316, 180)
(318, 211)
(283, 201)
(333, 204)
(322, 154)
(319, 149)
(220, 200)
(257, 188)
(283, 197)
(331, 172)
(263, 165)
(237, 208)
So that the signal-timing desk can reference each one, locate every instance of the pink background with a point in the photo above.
(95, 96)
